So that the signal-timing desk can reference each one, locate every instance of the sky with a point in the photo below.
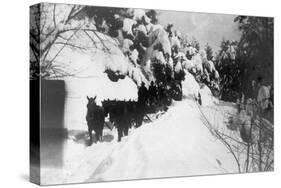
(206, 28)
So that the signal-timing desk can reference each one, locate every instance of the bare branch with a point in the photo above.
(74, 12)
(54, 15)
(216, 133)
(63, 47)
(102, 42)
(72, 45)
(91, 39)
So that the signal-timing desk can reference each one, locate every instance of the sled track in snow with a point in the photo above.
(137, 154)
(101, 168)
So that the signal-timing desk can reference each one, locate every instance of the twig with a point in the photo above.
(54, 15)
(90, 38)
(64, 46)
(102, 42)
(221, 139)
(72, 45)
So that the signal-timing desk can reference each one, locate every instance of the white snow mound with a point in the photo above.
(189, 86)
(207, 97)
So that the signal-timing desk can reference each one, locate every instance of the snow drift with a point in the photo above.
(177, 144)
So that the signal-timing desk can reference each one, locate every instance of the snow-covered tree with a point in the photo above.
(131, 41)
(227, 63)
(209, 52)
(49, 23)
(59, 26)
(256, 49)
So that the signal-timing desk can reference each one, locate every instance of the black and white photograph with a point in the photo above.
(121, 93)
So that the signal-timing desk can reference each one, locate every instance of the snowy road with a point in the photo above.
(176, 144)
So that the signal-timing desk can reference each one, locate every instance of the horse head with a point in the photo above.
(91, 102)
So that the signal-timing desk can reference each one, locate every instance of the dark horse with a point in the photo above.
(95, 119)
(123, 114)
(117, 114)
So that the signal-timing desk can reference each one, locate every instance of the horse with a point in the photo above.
(136, 112)
(95, 119)
(122, 119)
(122, 114)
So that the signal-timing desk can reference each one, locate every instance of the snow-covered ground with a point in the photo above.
(178, 143)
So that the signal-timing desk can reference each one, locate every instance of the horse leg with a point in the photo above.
(126, 130)
(138, 120)
(90, 135)
(141, 119)
(130, 124)
(119, 129)
(98, 135)
(101, 134)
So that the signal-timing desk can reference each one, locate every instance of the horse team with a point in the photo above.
(125, 114)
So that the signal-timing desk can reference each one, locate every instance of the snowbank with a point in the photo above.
(177, 144)
(189, 86)
(207, 97)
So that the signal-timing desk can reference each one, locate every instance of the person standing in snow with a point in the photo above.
(263, 96)
(142, 94)
(141, 104)
(253, 90)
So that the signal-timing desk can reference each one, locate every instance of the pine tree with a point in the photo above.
(209, 51)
